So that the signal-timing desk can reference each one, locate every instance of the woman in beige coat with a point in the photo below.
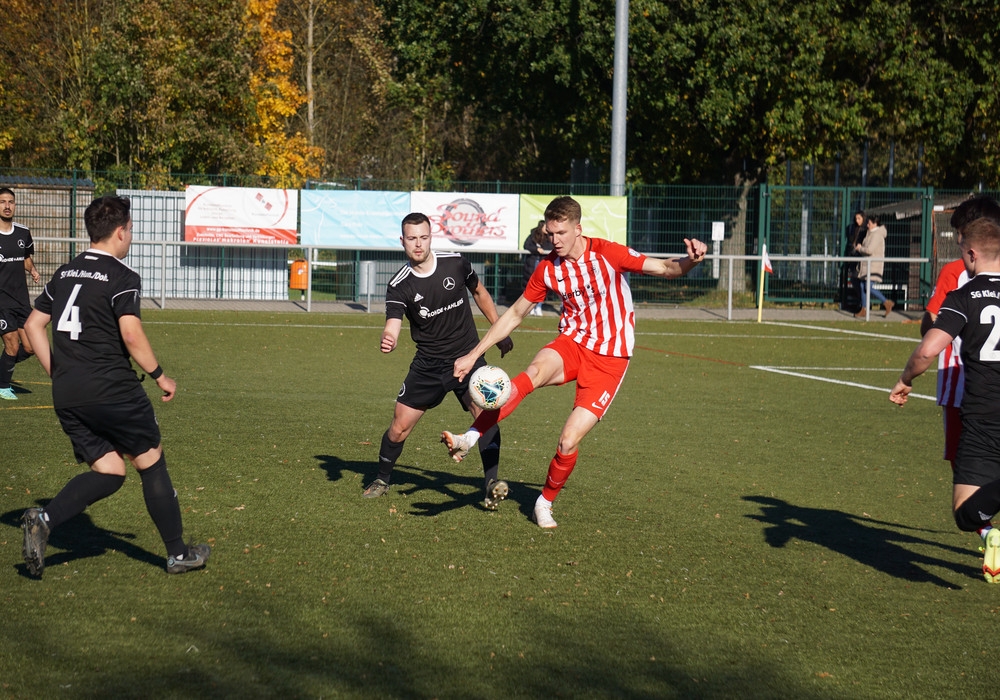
(874, 247)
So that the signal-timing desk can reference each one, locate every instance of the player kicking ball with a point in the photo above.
(596, 335)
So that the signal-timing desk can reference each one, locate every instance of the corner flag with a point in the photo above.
(765, 266)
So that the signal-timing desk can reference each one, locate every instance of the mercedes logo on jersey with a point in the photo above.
(20, 242)
(449, 283)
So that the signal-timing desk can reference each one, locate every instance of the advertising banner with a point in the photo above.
(240, 215)
(353, 218)
(468, 222)
(603, 217)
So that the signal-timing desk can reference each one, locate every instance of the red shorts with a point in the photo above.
(952, 430)
(598, 377)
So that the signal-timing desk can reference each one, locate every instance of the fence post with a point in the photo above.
(729, 303)
(163, 274)
(928, 269)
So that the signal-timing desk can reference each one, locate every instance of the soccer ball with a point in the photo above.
(489, 387)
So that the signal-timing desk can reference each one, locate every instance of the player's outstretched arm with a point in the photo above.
(137, 344)
(677, 267)
(922, 358)
(485, 303)
(34, 328)
(504, 326)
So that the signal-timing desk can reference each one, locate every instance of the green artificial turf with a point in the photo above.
(728, 531)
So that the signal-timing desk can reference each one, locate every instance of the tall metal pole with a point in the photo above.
(619, 99)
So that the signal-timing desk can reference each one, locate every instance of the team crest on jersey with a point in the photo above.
(3, 325)
(633, 253)
(448, 283)
(402, 389)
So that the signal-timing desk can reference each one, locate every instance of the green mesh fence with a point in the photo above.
(804, 228)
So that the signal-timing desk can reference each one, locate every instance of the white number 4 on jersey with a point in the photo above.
(69, 321)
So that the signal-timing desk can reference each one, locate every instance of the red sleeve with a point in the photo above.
(947, 281)
(621, 257)
(536, 290)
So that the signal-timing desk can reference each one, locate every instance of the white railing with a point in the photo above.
(160, 261)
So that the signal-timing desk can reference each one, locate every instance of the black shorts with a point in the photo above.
(13, 318)
(977, 461)
(129, 428)
(429, 381)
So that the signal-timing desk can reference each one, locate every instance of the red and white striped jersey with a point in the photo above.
(951, 373)
(597, 301)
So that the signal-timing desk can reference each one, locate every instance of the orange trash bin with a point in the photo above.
(299, 278)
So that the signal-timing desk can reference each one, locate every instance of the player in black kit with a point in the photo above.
(102, 407)
(431, 291)
(16, 249)
(972, 313)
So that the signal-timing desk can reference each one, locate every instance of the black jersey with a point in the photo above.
(85, 298)
(14, 248)
(972, 312)
(436, 305)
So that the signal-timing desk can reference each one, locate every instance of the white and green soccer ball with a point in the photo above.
(489, 387)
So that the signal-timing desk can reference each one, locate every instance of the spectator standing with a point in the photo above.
(870, 274)
(538, 247)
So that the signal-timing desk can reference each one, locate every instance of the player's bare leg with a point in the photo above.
(580, 422)
(546, 369)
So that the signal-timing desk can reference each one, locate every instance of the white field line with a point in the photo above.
(844, 331)
(374, 327)
(801, 375)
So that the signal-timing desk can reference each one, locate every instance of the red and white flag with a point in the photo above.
(765, 261)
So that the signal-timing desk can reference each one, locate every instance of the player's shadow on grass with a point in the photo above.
(20, 389)
(336, 468)
(80, 538)
(457, 490)
(862, 539)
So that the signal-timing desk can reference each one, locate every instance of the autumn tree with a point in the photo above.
(286, 157)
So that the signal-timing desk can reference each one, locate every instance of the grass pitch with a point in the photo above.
(753, 518)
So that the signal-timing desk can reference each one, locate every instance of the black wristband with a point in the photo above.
(156, 373)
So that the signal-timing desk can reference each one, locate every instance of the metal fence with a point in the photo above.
(170, 270)
(804, 228)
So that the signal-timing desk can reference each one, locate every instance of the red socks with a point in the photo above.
(560, 468)
(487, 419)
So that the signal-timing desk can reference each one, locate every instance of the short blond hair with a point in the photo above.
(983, 235)
(564, 209)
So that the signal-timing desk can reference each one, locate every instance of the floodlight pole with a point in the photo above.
(619, 99)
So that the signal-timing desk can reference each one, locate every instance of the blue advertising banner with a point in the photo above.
(352, 218)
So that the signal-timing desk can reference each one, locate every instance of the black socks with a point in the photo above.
(388, 453)
(81, 491)
(161, 503)
(979, 508)
(489, 452)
